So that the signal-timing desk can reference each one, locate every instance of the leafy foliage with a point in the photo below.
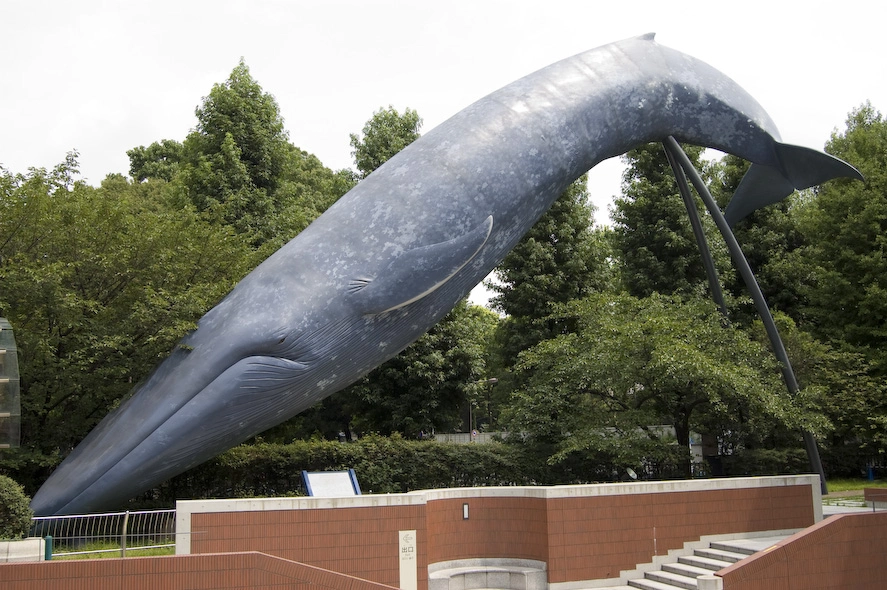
(160, 160)
(386, 133)
(238, 167)
(560, 259)
(634, 363)
(15, 510)
(654, 241)
(382, 465)
(845, 223)
(425, 388)
(99, 283)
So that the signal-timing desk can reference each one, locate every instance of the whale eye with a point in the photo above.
(282, 340)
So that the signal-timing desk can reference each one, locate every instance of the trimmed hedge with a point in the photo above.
(382, 464)
(766, 462)
(395, 465)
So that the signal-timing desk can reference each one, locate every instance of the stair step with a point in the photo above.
(682, 573)
(747, 546)
(672, 579)
(712, 565)
(682, 569)
(648, 584)
(720, 554)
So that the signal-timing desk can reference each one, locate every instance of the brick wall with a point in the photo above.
(357, 541)
(497, 527)
(192, 572)
(844, 551)
(582, 532)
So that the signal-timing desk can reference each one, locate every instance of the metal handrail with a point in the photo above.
(127, 529)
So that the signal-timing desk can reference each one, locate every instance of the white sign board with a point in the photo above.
(331, 484)
(409, 578)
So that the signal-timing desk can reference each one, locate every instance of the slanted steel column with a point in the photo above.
(788, 374)
(707, 261)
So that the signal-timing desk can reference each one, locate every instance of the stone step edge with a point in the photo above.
(638, 573)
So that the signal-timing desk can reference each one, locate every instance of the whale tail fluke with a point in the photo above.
(800, 168)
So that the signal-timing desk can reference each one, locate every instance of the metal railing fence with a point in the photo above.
(116, 532)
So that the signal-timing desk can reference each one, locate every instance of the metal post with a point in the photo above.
(754, 290)
(707, 261)
(47, 548)
(123, 535)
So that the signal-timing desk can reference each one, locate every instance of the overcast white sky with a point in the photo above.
(102, 77)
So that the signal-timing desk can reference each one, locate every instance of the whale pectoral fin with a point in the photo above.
(418, 272)
(801, 168)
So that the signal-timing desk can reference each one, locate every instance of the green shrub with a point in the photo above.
(849, 460)
(396, 465)
(766, 462)
(15, 510)
(382, 464)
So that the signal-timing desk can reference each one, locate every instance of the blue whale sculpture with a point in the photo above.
(394, 255)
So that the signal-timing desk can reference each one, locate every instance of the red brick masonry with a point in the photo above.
(582, 532)
(843, 551)
(192, 572)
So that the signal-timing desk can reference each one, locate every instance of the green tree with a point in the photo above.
(633, 364)
(428, 386)
(560, 259)
(238, 167)
(235, 156)
(99, 284)
(845, 223)
(160, 160)
(842, 387)
(386, 133)
(653, 238)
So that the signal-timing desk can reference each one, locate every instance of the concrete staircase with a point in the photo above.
(683, 571)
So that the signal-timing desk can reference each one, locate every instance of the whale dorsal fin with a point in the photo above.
(801, 168)
(418, 272)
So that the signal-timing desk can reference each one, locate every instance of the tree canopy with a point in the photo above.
(561, 258)
(653, 238)
(238, 168)
(634, 364)
(384, 134)
(845, 223)
(99, 284)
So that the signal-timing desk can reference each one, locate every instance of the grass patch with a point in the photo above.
(848, 485)
(106, 549)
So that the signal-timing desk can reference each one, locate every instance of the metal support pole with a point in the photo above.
(123, 533)
(788, 375)
(707, 261)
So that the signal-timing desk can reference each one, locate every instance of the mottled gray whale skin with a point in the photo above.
(394, 255)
